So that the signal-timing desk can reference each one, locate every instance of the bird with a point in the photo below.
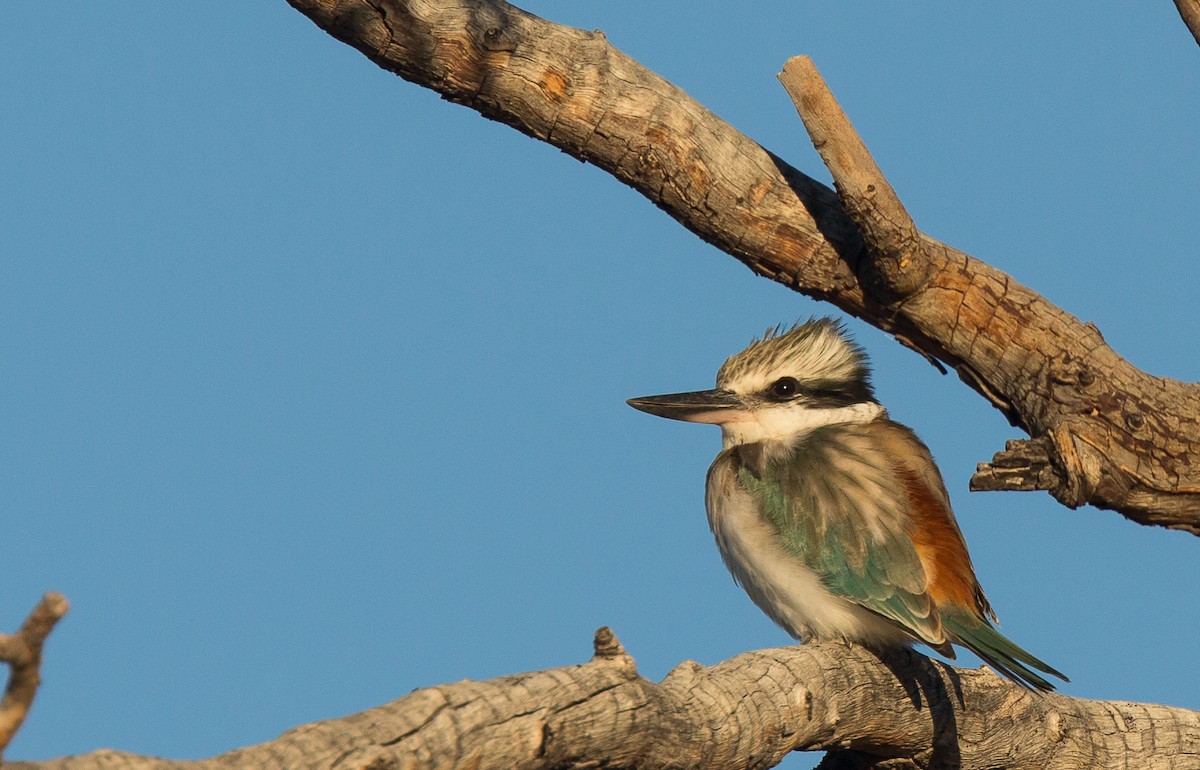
(830, 515)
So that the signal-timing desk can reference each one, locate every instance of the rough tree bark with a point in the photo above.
(1189, 11)
(899, 711)
(22, 652)
(1102, 432)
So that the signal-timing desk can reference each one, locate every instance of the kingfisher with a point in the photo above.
(831, 516)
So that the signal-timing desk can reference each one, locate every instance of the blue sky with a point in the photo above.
(314, 384)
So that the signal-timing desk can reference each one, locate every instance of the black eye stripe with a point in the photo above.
(833, 398)
(842, 394)
(826, 395)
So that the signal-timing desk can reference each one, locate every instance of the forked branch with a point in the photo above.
(22, 652)
(1103, 431)
(897, 266)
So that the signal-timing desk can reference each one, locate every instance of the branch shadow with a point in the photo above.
(930, 687)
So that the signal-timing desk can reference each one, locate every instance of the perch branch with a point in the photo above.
(22, 651)
(748, 712)
(1115, 437)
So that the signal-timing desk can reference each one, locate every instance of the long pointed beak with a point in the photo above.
(709, 406)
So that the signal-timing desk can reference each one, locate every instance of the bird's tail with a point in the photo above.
(998, 652)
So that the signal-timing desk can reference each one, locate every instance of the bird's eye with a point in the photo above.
(785, 388)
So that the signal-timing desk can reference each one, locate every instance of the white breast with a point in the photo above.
(784, 588)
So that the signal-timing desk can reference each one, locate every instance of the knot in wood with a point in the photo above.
(894, 268)
(497, 39)
(605, 644)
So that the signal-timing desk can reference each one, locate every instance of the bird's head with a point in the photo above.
(781, 387)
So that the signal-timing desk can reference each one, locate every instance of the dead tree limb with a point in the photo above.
(896, 266)
(748, 712)
(1102, 431)
(22, 651)
(1189, 11)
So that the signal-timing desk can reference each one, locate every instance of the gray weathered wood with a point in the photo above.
(1105, 432)
(748, 712)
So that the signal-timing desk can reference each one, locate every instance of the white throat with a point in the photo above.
(788, 422)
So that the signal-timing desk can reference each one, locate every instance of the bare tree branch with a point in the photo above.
(748, 712)
(1189, 11)
(898, 263)
(22, 651)
(1103, 431)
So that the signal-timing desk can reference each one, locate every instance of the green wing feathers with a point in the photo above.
(997, 651)
(843, 525)
(839, 502)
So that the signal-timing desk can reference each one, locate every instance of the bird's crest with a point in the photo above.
(816, 351)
